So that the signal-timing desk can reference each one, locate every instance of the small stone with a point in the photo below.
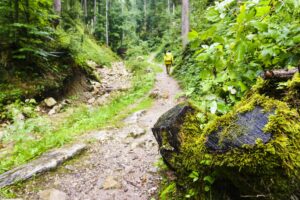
(137, 132)
(70, 167)
(50, 102)
(20, 117)
(111, 183)
(165, 95)
(92, 100)
(155, 94)
(152, 190)
(37, 109)
(55, 110)
(52, 194)
(134, 117)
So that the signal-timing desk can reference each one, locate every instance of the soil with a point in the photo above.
(120, 163)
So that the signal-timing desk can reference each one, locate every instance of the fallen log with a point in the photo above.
(279, 74)
(253, 151)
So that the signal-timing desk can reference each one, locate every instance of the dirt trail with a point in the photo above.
(120, 164)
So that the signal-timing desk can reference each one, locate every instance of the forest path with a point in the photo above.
(119, 163)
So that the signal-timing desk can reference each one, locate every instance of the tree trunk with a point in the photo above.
(85, 10)
(279, 74)
(27, 12)
(145, 15)
(169, 7)
(57, 6)
(185, 22)
(16, 10)
(95, 13)
(174, 8)
(11, 15)
(106, 23)
(122, 37)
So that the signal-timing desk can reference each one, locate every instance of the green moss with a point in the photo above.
(252, 169)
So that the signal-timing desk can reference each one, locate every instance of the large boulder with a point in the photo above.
(252, 152)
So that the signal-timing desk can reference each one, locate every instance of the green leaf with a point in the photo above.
(194, 175)
(209, 179)
(203, 57)
(193, 35)
(212, 15)
(296, 39)
(206, 188)
(241, 51)
(262, 10)
(260, 26)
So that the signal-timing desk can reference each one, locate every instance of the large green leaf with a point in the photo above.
(212, 15)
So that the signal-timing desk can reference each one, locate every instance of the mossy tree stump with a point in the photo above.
(253, 152)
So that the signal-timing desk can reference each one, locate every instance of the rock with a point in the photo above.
(50, 102)
(167, 129)
(111, 183)
(152, 190)
(92, 100)
(20, 117)
(65, 102)
(136, 132)
(52, 112)
(37, 109)
(70, 167)
(155, 94)
(250, 124)
(52, 194)
(132, 119)
(247, 147)
(165, 95)
(55, 109)
(46, 162)
(103, 99)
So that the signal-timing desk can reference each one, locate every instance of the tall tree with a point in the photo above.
(185, 21)
(106, 23)
(95, 14)
(57, 6)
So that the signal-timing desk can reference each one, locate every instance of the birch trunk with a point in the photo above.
(173, 8)
(57, 6)
(106, 23)
(145, 15)
(16, 10)
(122, 37)
(185, 22)
(95, 13)
(85, 10)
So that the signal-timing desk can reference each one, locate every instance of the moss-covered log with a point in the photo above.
(253, 152)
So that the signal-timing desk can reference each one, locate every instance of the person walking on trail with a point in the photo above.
(169, 59)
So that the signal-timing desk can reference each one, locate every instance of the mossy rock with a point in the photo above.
(246, 130)
(252, 152)
(167, 128)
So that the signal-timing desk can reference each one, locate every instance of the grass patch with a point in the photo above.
(84, 47)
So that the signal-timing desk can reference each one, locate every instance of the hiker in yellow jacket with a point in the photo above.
(169, 59)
